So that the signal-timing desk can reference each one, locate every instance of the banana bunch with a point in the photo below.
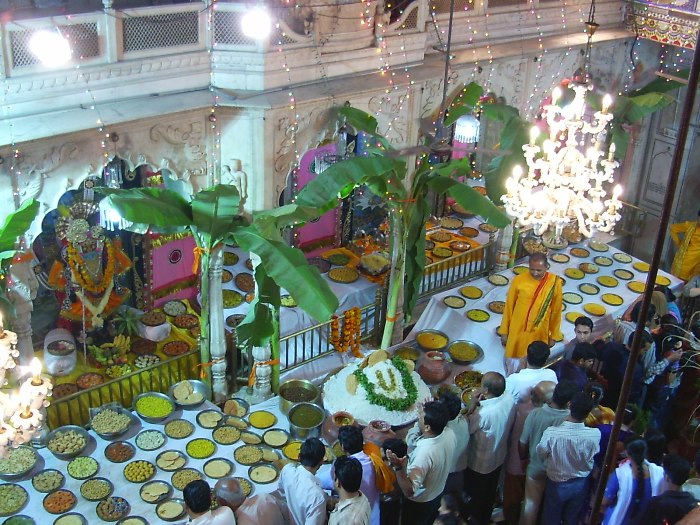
(112, 353)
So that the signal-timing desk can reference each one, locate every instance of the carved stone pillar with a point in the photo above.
(22, 288)
(217, 340)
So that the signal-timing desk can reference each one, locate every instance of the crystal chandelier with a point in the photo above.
(567, 173)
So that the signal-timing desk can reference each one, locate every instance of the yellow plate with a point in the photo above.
(641, 266)
(623, 274)
(662, 280)
(262, 419)
(594, 309)
(291, 450)
(517, 270)
(612, 299)
(636, 286)
(607, 281)
(471, 292)
(574, 273)
(572, 316)
(498, 280)
(479, 316)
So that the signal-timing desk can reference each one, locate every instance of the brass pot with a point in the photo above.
(302, 430)
(297, 391)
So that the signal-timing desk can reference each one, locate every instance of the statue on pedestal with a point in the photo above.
(235, 176)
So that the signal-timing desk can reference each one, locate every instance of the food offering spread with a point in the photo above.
(171, 460)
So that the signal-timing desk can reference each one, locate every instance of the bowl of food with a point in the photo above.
(189, 393)
(111, 420)
(465, 352)
(153, 407)
(18, 462)
(430, 340)
(305, 420)
(68, 441)
(297, 391)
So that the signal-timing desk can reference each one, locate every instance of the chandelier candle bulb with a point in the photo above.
(607, 101)
(534, 133)
(611, 152)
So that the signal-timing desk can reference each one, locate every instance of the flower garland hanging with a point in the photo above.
(96, 310)
(82, 277)
(389, 403)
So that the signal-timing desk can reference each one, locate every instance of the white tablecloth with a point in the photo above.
(130, 491)
(454, 323)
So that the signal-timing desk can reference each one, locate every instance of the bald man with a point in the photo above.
(261, 508)
(532, 312)
(554, 399)
(514, 482)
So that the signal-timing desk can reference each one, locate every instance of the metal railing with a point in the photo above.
(448, 273)
(74, 409)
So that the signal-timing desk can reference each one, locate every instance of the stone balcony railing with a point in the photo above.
(157, 51)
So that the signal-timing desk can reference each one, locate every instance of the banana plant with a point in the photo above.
(212, 218)
(405, 192)
(16, 225)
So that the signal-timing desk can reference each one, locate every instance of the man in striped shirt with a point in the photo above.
(568, 450)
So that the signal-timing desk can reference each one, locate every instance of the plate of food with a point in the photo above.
(113, 508)
(251, 438)
(177, 307)
(64, 390)
(478, 316)
(343, 274)
(622, 258)
(607, 281)
(429, 245)
(56, 502)
(465, 352)
(248, 455)
(176, 348)
(588, 288)
(201, 448)
(460, 246)
(181, 478)
(471, 292)
(560, 258)
(179, 429)
(488, 228)
(171, 510)
(442, 253)
(226, 276)
(574, 273)
(155, 491)
(589, 268)
(408, 352)
(469, 232)
(139, 471)
(498, 279)
(598, 246)
(263, 474)
(497, 307)
(188, 393)
(338, 259)
(468, 379)
(572, 317)
(451, 223)
(246, 485)
(291, 450)
(217, 468)
(232, 299)
(171, 460)
(594, 309)
(441, 236)
(186, 321)
(623, 274)
(48, 480)
(226, 435)
(153, 407)
(230, 258)
(276, 437)
(579, 252)
(662, 280)
(517, 270)
(83, 467)
(96, 489)
(262, 419)
(374, 264)
(641, 266)
(636, 286)
(572, 298)
(612, 299)
(120, 451)
(320, 263)
(149, 440)
(89, 380)
(454, 301)
(601, 260)
(236, 406)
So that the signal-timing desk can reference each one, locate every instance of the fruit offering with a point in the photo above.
(139, 471)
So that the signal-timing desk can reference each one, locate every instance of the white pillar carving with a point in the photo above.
(217, 341)
(22, 288)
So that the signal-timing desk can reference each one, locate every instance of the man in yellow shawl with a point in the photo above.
(533, 309)
(686, 263)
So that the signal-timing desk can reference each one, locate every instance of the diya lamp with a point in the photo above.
(38, 388)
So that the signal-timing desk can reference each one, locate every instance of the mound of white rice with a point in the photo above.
(336, 396)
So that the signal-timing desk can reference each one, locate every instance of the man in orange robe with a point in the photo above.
(533, 310)
(686, 263)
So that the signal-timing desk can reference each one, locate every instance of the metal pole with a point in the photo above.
(651, 279)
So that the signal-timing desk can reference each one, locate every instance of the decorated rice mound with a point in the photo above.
(377, 388)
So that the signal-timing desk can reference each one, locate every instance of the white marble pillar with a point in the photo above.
(22, 288)
(217, 341)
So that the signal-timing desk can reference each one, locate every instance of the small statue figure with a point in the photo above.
(235, 176)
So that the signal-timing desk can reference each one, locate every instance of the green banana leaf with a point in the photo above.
(415, 253)
(358, 119)
(338, 181)
(464, 103)
(17, 223)
(215, 213)
(162, 210)
(257, 328)
(288, 267)
(662, 85)
(270, 222)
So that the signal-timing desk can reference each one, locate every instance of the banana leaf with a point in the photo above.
(162, 210)
(270, 222)
(288, 267)
(358, 119)
(662, 85)
(258, 328)
(215, 213)
(338, 181)
(465, 103)
(17, 223)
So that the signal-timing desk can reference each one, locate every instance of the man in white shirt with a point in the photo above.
(197, 496)
(568, 451)
(490, 416)
(300, 487)
(352, 507)
(460, 427)
(261, 508)
(422, 474)
(520, 383)
(552, 413)
(351, 440)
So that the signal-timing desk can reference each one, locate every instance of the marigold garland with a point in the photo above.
(82, 278)
(380, 399)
